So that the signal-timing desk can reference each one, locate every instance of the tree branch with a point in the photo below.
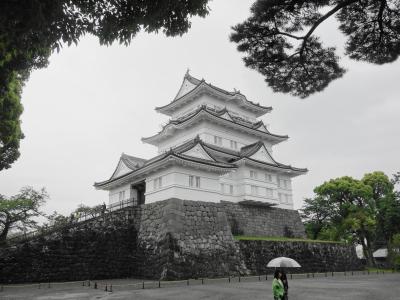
(380, 18)
(289, 35)
(322, 19)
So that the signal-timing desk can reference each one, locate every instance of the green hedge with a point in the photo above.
(281, 239)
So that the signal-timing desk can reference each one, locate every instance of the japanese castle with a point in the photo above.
(213, 148)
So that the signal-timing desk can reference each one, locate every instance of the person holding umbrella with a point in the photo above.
(277, 286)
(285, 286)
(282, 262)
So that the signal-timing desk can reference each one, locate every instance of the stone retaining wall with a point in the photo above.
(182, 239)
(263, 221)
(313, 257)
(171, 239)
(103, 248)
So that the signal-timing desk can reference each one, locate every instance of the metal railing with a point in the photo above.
(122, 204)
(136, 284)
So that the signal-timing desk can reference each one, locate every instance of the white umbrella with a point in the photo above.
(283, 262)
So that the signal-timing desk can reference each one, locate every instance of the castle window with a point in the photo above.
(233, 144)
(194, 181)
(254, 190)
(217, 140)
(268, 192)
(121, 195)
(268, 177)
(157, 183)
(222, 188)
(231, 189)
(197, 181)
(253, 174)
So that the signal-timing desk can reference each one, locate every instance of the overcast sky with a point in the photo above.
(92, 103)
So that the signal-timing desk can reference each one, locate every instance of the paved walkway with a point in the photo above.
(360, 287)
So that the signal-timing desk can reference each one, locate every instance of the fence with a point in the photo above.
(114, 285)
(74, 219)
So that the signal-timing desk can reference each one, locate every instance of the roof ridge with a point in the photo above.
(251, 145)
(216, 114)
(197, 82)
(132, 157)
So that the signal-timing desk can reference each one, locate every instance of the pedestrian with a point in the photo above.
(277, 286)
(285, 285)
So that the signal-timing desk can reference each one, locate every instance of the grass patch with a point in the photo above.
(374, 270)
(281, 239)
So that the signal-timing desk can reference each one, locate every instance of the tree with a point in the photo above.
(32, 30)
(316, 214)
(365, 211)
(387, 207)
(88, 211)
(19, 211)
(55, 220)
(353, 209)
(394, 251)
(280, 42)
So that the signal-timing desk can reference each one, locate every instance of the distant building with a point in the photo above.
(213, 148)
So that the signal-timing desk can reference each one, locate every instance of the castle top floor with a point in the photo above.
(195, 93)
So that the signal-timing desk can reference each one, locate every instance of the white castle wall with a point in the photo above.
(175, 184)
(214, 188)
(114, 194)
(207, 132)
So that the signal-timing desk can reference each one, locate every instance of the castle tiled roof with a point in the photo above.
(197, 84)
(257, 126)
(247, 151)
(176, 154)
(132, 162)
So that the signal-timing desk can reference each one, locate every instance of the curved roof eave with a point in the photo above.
(174, 124)
(297, 171)
(231, 96)
(165, 157)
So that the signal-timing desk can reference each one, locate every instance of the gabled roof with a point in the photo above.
(176, 155)
(218, 115)
(132, 161)
(127, 163)
(247, 153)
(192, 86)
(179, 155)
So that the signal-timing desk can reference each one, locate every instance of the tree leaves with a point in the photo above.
(373, 30)
(363, 211)
(20, 210)
(279, 42)
(32, 30)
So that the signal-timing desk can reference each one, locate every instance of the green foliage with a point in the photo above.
(56, 219)
(87, 210)
(365, 211)
(394, 251)
(279, 41)
(316, 214)
(19, 211)
(10, 125)
(32, 30)
(280, 239)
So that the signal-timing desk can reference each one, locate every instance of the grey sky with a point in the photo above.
(93, 102)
